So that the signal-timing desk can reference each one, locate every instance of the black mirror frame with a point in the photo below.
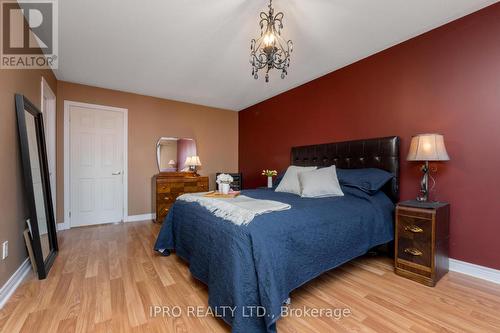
(22, 105)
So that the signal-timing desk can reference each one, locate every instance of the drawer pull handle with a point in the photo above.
(413, 252)
(414, 229)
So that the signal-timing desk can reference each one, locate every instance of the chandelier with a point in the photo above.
(270, 50)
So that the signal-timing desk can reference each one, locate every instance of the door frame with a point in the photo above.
(67, 179)
(46, 91)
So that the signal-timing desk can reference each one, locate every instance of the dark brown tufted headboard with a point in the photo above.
(382, 153)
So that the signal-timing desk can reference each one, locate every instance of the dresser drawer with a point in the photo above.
(171, 185)
(414, 228)
(163, 188)
(191, 189)
(163, 198)
(162, 211)
(203, 186)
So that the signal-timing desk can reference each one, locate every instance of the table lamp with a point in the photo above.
(193, 162)
(187, 163)
(427, 148)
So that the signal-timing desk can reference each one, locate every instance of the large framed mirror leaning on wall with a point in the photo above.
(40, 219)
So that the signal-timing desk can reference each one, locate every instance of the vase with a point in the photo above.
(225, 188)
(269, 182)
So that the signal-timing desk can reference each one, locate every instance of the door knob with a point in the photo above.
(116, 173)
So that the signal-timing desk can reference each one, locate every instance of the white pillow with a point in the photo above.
(320, 183)
(290, 181)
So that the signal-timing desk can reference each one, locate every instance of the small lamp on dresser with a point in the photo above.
(193, 162)
(422, 226)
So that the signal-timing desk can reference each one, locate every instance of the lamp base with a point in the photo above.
(424, 184)
(422, 198)
(194, 170)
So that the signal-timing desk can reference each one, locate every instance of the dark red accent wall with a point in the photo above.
(445, 81)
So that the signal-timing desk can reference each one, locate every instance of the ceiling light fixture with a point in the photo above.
(270, 50)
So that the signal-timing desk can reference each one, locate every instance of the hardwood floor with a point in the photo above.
(106, 278)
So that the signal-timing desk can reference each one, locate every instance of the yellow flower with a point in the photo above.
(269, 173)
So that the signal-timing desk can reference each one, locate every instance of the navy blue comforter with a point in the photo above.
(261, 263)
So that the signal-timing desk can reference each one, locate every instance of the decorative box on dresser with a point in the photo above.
(170, 185)
(421, 243)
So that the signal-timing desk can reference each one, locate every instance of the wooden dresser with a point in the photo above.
(169, 185)
(422, 237)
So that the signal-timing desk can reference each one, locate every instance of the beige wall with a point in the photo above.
(215, 132)
(12, 204)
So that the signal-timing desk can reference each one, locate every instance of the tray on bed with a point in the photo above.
(215, 194)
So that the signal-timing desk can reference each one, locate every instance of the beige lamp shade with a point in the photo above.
(189, 161)
(196, 161)
(427, 147)
(171, 163)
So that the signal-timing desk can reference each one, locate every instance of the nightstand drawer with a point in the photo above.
(415, 251)
(414, 228)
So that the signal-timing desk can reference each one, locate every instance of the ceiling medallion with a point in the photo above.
(270, 50)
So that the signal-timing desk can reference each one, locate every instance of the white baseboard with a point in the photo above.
(14, 281)
(481, 272)
(63, 226)
(130, 218)
(142, 217)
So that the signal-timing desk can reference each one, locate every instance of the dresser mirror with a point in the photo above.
(172, 153)
(40, 217)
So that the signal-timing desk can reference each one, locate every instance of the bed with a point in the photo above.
(252, 269)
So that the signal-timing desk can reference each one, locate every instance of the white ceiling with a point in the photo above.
(197, 50)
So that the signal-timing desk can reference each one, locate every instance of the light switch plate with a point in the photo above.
(5, 249)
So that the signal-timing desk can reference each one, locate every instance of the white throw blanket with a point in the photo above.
(240, 210)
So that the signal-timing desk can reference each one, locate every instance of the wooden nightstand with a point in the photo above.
(421, 243)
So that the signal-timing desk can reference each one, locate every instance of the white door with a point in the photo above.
(96, 165)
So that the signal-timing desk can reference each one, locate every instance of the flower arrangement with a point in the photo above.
(269, 173)
(224, 178)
